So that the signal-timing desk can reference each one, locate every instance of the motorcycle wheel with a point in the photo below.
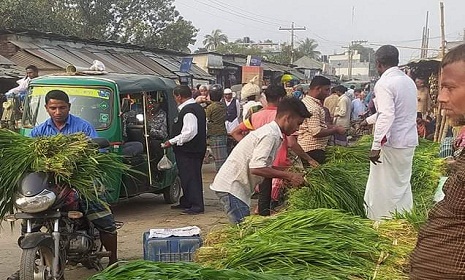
(172, 193)
(36, 263)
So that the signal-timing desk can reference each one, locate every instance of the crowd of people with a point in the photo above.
(250, 134)
(231, 118)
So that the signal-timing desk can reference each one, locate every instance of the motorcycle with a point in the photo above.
(56, 233)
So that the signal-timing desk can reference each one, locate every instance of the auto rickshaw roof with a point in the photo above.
(126, 83)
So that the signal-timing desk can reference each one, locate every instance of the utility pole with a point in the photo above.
(292, 29)
(425, 39)
(350, 54)
(443, 33)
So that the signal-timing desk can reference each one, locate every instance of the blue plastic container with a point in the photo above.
(170, 249)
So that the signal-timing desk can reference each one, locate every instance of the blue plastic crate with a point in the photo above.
(170, 249)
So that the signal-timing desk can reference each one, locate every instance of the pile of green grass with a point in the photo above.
(340, 183)
(70, 159)
(148, 270)
(311, 244)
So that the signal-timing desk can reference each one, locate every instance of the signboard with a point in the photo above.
(186, 64)
(254, 60)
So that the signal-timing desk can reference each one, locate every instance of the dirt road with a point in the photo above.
(138, 214)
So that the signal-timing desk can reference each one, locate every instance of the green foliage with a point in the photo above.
(340, 183)
(42, 15)
(71, 159)
(214, 40)
(311, 244)
(148, 270)
(238, 48)
(366, 54)
(152, 23)
(308, 47)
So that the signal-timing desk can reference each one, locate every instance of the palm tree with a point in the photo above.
(216, 39)
(308, 47)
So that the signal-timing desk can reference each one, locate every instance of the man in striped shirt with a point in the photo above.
(314, 133)
(440, 249)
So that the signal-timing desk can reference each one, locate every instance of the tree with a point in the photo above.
(153, 23)
(214, 40)
(283, 57)
(366, 54)
(176, 36)
(42, 15)
(308, 47)
(238, 48)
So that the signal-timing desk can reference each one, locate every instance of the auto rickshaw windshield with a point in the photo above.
(91, 104)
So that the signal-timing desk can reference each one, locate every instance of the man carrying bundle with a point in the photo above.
(62, 122)
(251, 160)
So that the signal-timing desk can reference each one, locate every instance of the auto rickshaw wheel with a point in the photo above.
(172, 193)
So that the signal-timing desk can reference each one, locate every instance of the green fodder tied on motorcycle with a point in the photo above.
(134, 112)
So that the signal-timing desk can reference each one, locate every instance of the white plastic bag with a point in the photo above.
(164, 163)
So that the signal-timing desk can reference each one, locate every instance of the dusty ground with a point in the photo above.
(138, 214)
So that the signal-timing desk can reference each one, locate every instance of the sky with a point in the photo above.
(332, 23)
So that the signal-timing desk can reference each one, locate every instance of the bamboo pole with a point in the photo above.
(442, 121)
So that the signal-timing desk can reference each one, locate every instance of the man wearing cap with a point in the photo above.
(233, 113)
(233, 110)
(250, 92)
(395, 137)
(314, 133)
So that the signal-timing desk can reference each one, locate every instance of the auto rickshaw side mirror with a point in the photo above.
(125, 105)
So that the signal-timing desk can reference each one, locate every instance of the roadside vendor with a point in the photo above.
(251, 160)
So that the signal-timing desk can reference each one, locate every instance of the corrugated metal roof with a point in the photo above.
(67, 56)
(107, 58)
(117, 58)
(195, 71)
(154, 66)
(198, 73)
(127, 60)
(110, 67)
(23, 58)
(5, 61)
(79, 54)
(48, 57)
(165, 62)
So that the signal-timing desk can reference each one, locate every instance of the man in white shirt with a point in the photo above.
(395, 138)
(31, 73)
(343, 108)
(252, 158)
(189, 141)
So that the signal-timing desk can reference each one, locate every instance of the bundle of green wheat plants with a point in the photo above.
(148, 270)
(72, 160)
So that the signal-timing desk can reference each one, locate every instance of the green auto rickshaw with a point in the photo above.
(105, 101)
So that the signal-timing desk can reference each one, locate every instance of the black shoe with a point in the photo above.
(14, 276)
(191, 212)
(179, 206)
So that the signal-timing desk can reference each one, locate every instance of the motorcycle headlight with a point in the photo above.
(37, 203)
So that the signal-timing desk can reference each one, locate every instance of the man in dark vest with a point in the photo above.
(233, 113)
(189, 141)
